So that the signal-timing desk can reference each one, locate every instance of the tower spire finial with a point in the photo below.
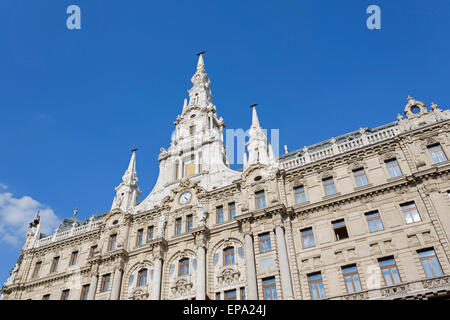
(255, 120)
(200, 63)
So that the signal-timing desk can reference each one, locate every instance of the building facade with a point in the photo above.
(365, 215)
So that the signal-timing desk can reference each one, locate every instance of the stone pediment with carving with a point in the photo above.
(228, 277)
(183, 287)
(257, 173)
(139, 294)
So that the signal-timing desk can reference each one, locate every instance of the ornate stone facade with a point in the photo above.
(360, 216)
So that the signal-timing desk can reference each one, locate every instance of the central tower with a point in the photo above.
(197, 149)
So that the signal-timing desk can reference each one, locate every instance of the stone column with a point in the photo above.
(201, 273)
(286, 282)
(156, 283)
(93, 287)
(251, 269)
(115, 294)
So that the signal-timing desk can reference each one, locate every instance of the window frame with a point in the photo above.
(229, 252)
(112, 242)
(150, 233)
(339, 227)
(73, 258)
(139, 237)
(230, 291)
(219, 214)
(232, 210)
(142, 276)
(54, 266)
(407, 211)
(362, 177)
(438, 154)
(37, 269)
(272, 286)
(189, 222)
(65, 294)
(299, 194)
(183, 265)
(266, 241)
(178, 226)
(316, 282)
(84, 293)
(374, 219)
(351, 275)
(105, 282)
(92, 251)
(430, 264)
(304, 236)
(392, 164)
(330, 185)
(260, 196)
(389, 268)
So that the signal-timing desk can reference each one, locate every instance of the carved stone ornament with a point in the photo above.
(228, 277)
(182, 288)
(139, 294)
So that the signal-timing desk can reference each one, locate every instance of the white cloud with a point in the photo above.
(17, 213)
(3, 186)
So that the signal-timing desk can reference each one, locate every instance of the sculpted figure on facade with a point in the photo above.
(202, 214)
(162, 222)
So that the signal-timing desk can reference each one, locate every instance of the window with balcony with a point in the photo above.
(410, 212)
(307, 238)
(316, 287)
(351, 279)
(299, 193)
(340, 230)
(389, 271)
(260, 198)
(393, 168)
(430, 263)
(374, 221)
(437, 154)
(328, 185)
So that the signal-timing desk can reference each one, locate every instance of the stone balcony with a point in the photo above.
(415, 290)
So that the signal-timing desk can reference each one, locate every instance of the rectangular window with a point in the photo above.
(65, 294)
(329, 186)
(192, 130)
(54, 266)
(139, 237)
(104, 285)
(243, 297)
(228, 256)
(260, 198)
(299, 193)
(183, 267)
(46, 297)
(340, 230)
(360, 177)
(84, 292)
(437, 154)
(270, 289)
(150, 232)
(351, 279)
(112, 242)
(219, 214)
(218, 296)
(73, 258)
(92, 251)
(264, 242)
(232, 210)
(230, 295)
(393, 168)
(316, 287)
(389, 271)
(430, 263)
(37, 268)
(178, 226)
(410, 212)
(189, 222)
(307, 238)
(142, 278)
(374, 221)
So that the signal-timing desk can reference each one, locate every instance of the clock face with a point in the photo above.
(185, 197)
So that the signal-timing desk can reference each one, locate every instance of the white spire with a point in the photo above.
(201, 63)
(128, 191)
(259, 148)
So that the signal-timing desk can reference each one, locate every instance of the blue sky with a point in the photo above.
(75, 102)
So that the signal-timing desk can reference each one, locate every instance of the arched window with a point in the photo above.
(183, 267)
(228, 256)
(142, 278)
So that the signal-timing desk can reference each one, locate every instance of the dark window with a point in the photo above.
(92, 251)
(54, 266)
(46, 297)
(65, 294)
(340, 230)
(37, 268)
(73, 258)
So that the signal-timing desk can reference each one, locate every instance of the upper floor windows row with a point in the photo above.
(220, 214)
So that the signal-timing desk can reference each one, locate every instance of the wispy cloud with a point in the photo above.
(16, 213)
